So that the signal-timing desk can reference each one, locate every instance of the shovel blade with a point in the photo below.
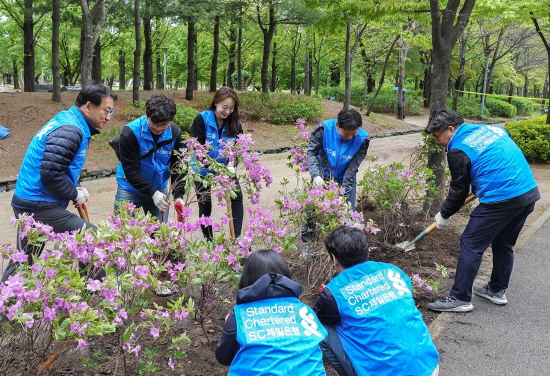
(406, 246)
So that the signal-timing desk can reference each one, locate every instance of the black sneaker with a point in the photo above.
(496, 297)
(450, 304)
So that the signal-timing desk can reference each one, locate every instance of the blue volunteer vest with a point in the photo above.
(338, 151)
(278, 336)
(29, 184)
(156, 167)
(381, 329)
(213, 137)
(499, 169)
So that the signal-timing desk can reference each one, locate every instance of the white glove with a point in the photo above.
(231, 169)
(159, 199)
(442, 222)
(319, 181)
(85, 191)
(81, 197)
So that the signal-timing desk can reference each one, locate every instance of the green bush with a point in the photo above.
(533, 138)
(501, 108)
(524, 106)
(280, 108)
(469, 108)
(184, 117)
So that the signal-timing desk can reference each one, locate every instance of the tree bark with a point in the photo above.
(147, 55)
(239, 53)
(347, 65)
(232, 47)
(403, 51)
(92, 23)
(56, 95)
(160, 83)
(274, 68)
(15, 75)
(191, 42)
(268, 39)
(215, 55)
(121, 70)
(96, 63)
(137, 54)
(307, 68)
(28, 47)
(446, 28)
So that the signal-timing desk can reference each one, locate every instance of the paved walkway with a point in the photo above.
(510, 340)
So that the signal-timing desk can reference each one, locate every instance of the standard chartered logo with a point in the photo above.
(497, 130)
(398, 283)
(308, 322)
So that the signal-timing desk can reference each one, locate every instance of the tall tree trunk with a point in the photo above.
(56, 95)
(137, 54)
(347, 64)
(232, 47)
(215, 55)
(96, 63)
(160, 83)
(28, 47)
(307, 67)
(147, 55)
(317, 76)
(15, 75)
(293, 74)
(445, 32)
(274, 67)
(121, 70)
(191, 42)
(403, 51)
(334, 73)
(92, 23)
(268, 39)
(239, 54)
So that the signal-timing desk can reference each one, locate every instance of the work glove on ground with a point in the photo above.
(81, 197)
(442, 222)
(231, 169)
(179, 206)
(160, 201)
(319, 181)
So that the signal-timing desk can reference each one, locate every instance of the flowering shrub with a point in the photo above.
(395, 188)
(53, 306)
(428, 284)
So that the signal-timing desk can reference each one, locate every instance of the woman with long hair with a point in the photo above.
(220, 122)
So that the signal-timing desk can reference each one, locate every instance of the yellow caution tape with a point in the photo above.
(502, 95)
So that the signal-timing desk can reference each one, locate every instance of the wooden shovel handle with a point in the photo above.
(471, 197)
(83, 212)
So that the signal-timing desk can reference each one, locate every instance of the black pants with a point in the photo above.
(205, 208)
(61, 220)
(498, 227)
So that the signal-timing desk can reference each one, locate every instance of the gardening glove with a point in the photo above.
(82, 196)
(319, 181)
(231, 169)
(442, 222)
(179, 206)
(159, 199)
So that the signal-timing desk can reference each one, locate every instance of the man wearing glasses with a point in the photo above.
(48, 178)
(147, 158)
(485, 158)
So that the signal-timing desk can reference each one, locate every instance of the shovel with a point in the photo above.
(409, 246)
(83, 212)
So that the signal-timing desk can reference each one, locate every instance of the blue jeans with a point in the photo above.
(141, 201)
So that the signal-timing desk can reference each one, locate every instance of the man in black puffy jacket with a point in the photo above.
(48, 178)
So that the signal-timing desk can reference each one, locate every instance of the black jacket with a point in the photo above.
(268, 286)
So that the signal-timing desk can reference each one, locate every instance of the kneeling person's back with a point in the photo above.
(369, 307)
